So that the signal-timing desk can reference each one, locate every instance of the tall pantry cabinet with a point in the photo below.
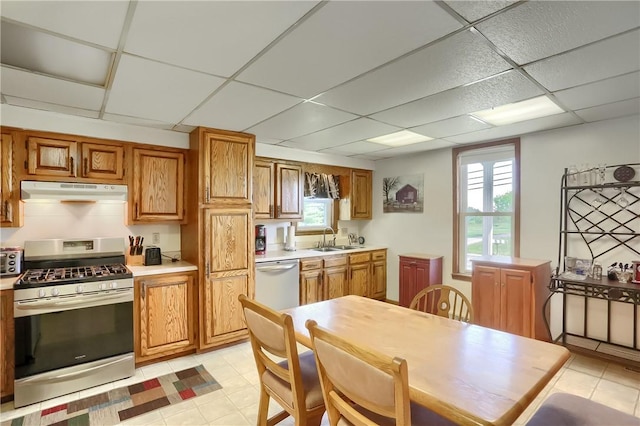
(219, 234)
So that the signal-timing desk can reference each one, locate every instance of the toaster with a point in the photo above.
(152, 256)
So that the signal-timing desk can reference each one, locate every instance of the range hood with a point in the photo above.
(66, 191)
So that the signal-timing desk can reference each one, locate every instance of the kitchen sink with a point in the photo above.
(335, 248)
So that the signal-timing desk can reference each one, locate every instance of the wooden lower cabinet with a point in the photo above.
(417, 272)
(7, 343)
(378, 288)
(222, 311)
(323, 278)
(311, 287)
(508, 295)
(164, 315)
(360, 273)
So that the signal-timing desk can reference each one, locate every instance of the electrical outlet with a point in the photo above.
(155, 238)
(344, 231)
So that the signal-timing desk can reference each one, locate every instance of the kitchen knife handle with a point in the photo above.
(72, 167)
(86, 167)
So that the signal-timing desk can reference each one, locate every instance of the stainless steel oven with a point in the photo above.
(73, 323)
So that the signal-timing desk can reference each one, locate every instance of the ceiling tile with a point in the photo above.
(372, 157)
(508, 87)
(474, 10)
(345, 39)
(360, 129)
(238, 106)
(539, 29)
(51, 90)
(450, 127)
(44, 53)
(418, 147)
(28, 103)
(138, 121)
(300, 120)
(516, 129)
(615, 56)
(155, 91)
(614, 110)
(360, 147)
(457, 60)
(267, 141)
(98, 22)
(217, 37)
(602, 92)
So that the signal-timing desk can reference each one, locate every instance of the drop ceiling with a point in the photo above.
(324, 76)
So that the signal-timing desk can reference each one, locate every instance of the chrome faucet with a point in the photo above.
(324, 236)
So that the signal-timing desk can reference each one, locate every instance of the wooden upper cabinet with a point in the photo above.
(263, 187)
(288, 191)
(277, 190)
(10, 206)
(361, 194)
(102, 161)
(158, 186)
(52, 157)
(228, 168)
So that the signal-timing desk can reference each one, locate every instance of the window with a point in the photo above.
(317, 214)
(487, 210)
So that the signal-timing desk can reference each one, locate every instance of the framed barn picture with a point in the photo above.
(403, 194)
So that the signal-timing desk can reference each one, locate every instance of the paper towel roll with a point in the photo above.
(291, 238)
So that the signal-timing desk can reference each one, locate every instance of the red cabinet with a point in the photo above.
(418, 271)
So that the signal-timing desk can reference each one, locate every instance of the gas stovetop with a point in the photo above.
(71, 275)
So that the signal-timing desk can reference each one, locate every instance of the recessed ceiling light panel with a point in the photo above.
(401, 138)
(518, 111)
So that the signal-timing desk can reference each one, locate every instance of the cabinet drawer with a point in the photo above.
(359, 257)
(330, 262)
(379, 255)
(309, 264)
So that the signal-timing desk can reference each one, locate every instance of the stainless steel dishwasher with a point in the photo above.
(277, 283)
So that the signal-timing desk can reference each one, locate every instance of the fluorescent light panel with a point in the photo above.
(518, 111)
(401, 138)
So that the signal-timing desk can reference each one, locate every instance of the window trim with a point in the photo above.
(455, 152)
(334, 225)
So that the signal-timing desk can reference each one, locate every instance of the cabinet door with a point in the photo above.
(102, 161)
(229, 272)
(228, 168)
(311, 287)
(288, 191)
(486, 301)
(166, 314)
(51, 157)
(158, 186)
(516, 303)
(361, 194)
(7, 343)
(414, 276)
(359, 277)
(335, 282)
(9, 192)
(379, 280)
(263, 185)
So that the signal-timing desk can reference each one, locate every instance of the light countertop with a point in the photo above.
(273, 255)
(7, 282)
(167, 267)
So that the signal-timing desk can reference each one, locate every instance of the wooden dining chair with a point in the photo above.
(293, 382)
(362, 387)
(444, 301)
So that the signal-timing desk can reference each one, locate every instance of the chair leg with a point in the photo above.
(263, 407)
(315, 419)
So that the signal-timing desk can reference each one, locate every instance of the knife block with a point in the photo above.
(134, 259)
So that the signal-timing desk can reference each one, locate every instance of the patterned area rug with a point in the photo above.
(110, 408)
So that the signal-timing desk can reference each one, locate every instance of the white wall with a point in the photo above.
(74, 220)
(543, 159)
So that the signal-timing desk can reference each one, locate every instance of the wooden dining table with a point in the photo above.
(467, 373)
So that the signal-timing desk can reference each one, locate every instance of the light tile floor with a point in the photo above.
(237, 402)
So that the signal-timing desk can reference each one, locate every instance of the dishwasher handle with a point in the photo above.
(273, 268)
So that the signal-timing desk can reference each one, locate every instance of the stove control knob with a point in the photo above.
(114, 285)
(55, 292)
(41, 293)
(79, 289)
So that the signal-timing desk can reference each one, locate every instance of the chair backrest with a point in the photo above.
(271, 332)
(444, 301)
(377, 383)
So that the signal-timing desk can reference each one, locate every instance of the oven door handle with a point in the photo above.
(75, 301)
(62, 377)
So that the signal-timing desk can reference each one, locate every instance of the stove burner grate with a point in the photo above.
(74, 273)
